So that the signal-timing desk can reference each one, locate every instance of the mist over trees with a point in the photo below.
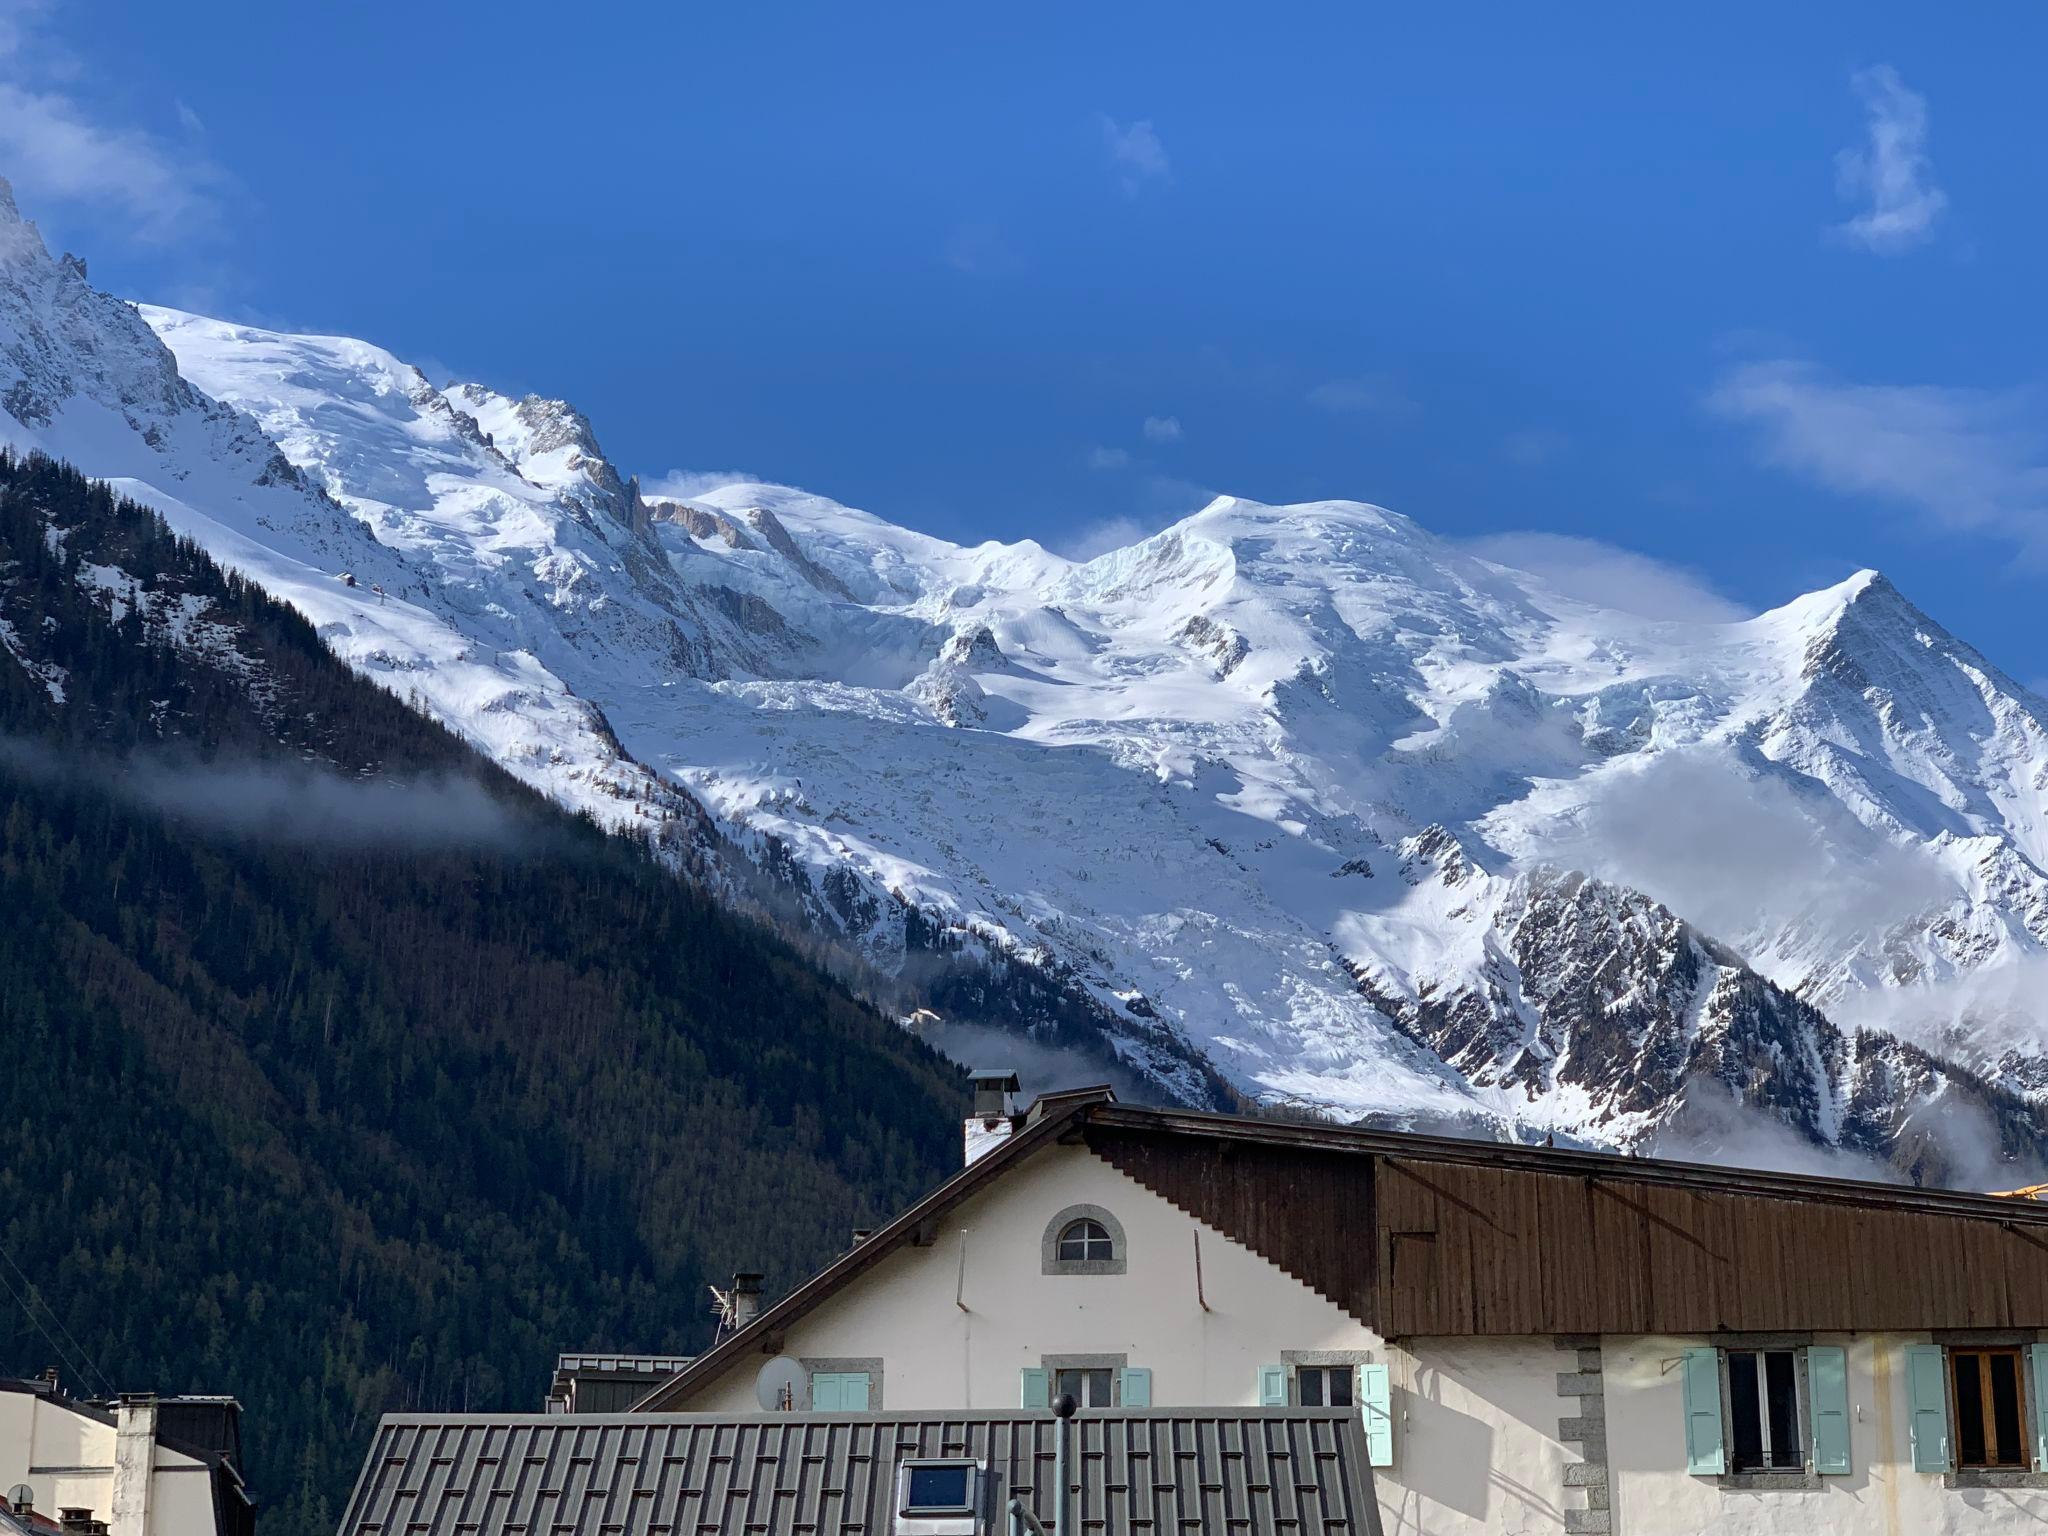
(356, 1123)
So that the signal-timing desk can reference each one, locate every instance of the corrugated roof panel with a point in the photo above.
(1153, 1474)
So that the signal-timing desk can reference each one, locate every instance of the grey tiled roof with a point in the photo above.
(1246, 1471)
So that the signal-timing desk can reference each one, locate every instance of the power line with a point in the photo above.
(85, 1376)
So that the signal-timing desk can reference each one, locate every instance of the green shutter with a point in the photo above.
(1827, 1391)
(1702, 1377)
(853, 1389)
(825, 1391)
(1136, 1387)
(1272, 1386)
(1376, 1412)
(1034, 1388)
(1927, 1405)
(839, 1392)
(2037, 1356)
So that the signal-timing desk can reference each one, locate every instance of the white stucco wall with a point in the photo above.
(1882, 1496)
(1474, 1420)
(68, 1459)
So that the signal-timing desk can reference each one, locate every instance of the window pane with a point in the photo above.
(938, 1488)
(1781, 1401)
(1067, 1384)
(1085, 1239)
(1970, 1444)
(1099, 1388)
(1745, 1411)
(1309, 1384)
(1340, 1386)
(2005, 1409)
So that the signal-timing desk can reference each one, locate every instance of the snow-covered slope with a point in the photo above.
(1301, 795)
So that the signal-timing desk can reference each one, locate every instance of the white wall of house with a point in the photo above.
(69, 1458)
(1475, 1421)
(1881, 1496)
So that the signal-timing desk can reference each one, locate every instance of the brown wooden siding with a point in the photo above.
(1307, 1212)
(1440, 1244)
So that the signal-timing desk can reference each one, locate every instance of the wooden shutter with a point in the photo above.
(1927, 1406)
(1034, 1388)
(2037, 1357)
(853, 1392)
(1827, 1392)
(1704, 1456)
(825, 1391)
(1376, 1412)
(1135, 1389)
(1272, 1386)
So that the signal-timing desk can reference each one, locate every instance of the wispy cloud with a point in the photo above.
(58, 149)
(1890, 171)
(1973, 460)
(981, 248)
(1135, 153)
(1372, 394)
(1533, 447)
(684, 484)
(1099, 538)
(1109, 458)
(1162, 429)
(1611, 577)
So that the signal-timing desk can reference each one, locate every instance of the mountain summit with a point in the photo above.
(1301, 800)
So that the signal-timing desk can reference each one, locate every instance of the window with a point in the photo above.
(1090, 1386)
(840, 1391)
(937, 1488)
(1763, 1411)
(1991, 1419)
(1323, 1386)
(1083, 1240)
(1086, 1240)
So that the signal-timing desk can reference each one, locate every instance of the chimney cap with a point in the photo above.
(996, 1077)
(746, 1280)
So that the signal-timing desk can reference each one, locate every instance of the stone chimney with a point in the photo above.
(746, 1299)
(991, 1122)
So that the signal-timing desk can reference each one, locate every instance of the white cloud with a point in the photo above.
(1101, 537)
(57, 150)
(684, 484)
(1135, 153)
(1891, 171)
(1366, 395)
(1162, 429)
(1108, 458)
(1534, 446)
(1593, 572)
(980, 248)
(1969, 459)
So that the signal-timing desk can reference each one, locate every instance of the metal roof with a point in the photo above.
(1248, 1471)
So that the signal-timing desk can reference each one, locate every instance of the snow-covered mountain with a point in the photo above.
(1299, 800)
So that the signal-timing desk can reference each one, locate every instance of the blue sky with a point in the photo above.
(1753, 291)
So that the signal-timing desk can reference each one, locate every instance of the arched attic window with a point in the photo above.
(1083, 1240)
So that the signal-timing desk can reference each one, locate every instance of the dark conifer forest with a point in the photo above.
(342, 1073)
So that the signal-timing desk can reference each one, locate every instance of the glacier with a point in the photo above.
(1298, 803)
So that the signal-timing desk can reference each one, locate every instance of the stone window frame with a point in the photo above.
(1991, 1338)
(1049, 1260)
(1116, 1365)
(1293, 1359)
(1780, 1479)
(841, 1364)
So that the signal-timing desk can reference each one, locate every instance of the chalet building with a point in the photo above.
(137, 1465)
(1524, 1339)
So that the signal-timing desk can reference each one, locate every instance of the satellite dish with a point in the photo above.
(21, 1498)
(780, 1385)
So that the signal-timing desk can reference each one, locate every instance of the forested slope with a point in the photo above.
(340, 1072)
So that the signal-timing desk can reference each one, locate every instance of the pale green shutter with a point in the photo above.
(825, 1392)
(1702, 1378)
(853, 1392)
(1034, 1388)
(1827, 1390)
(1136, 1387)
(1927, 1406)
(1376, 1412)
(2037, 1356)
(1272, 1386)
